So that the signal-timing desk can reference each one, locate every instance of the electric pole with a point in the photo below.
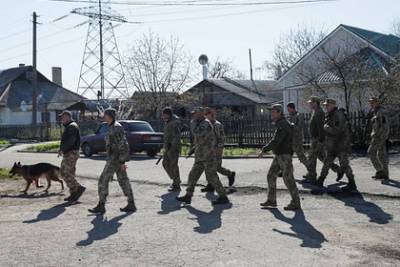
(34, 73)
(101, 52)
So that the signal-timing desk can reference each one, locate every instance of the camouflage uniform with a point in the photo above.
(281, 146)
(117, 149)
(336, 130)
(377, 148)
(172, 148)
(69, 145)
(298, 135)
(220, 134)
(317, 149)
(205, 157)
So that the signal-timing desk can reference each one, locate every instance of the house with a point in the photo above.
(244, 97)
(16, 97)
(341, 66)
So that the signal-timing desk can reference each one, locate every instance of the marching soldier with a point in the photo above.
(379, 135)
(220, 135)
(117, 149)
(281, 146)
(69, 150)
(172, 148)
(297, 121)
(336, 131)
(205, 158)
(317, 134)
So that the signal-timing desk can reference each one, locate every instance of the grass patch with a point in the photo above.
(4, 142)
(4, 175)
(48, 147)
(229, 151)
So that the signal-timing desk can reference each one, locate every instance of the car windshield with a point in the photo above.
(140, 127)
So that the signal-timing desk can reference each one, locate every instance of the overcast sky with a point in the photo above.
(225, 32)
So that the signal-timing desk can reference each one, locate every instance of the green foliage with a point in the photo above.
(4, 142)
(4, 174)
(47, 147)
(228, 151)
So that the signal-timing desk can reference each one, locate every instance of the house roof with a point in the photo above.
(258, 91)
(16, 89)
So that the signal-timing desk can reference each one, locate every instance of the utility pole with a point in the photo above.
(34, 73)
(101, 52)
(251, 65)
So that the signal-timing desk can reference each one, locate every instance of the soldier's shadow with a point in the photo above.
(49, 214)
(391, 182)
(302, 229)
(169, 203)
(102, 229)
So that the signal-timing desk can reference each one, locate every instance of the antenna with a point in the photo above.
(203, 60)
(251, 65)
(102, 75)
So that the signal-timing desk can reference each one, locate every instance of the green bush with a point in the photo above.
(4, 174)
(48, 147)
(4, 142)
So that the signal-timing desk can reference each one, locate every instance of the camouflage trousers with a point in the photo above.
(378, 155)
(343, 162)
(122, 177)
(282, 163)
(299, 150)
(170, 164)
(220, 169)
(317, 151)
(210, 169)
(68, 169)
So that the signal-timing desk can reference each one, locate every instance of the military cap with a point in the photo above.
(110, 112)
(276, 107)
(374, 99)
(330, 101)
(197, 109)
(314, 99)
(291, 105)
(65, 112)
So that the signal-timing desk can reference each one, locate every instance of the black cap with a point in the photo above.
(65, 112)
(111, 112)
(291, 105)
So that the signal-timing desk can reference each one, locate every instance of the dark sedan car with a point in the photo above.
(140, 135)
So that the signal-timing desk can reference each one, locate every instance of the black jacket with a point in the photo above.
(70, 139)
(281, 143)
(317, 125)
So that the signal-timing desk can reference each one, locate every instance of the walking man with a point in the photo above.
(379, 135)
(297, 121)
(317, 134)
(335, 128)
(172, 148)
(117, 149)
(205, 158)
(281, 146)
(220, 135)
(69, 150)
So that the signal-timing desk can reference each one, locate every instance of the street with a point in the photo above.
(334, 229)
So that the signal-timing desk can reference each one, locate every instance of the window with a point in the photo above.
(140, 127)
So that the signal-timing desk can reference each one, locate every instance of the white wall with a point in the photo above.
(8, 117)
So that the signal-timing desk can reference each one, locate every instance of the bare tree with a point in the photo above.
(395, 28)
(158, 69)
(292, 46)
(224, 68)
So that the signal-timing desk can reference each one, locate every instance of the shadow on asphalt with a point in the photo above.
(392, 183)
(208, 221)
(169, 203)
(136, 157)
(102, 229)
(302, 229)
(49, 214)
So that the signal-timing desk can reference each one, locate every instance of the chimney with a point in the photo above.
(21, 65)
(56, 75)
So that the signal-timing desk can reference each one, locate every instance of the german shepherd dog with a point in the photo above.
(32, 173)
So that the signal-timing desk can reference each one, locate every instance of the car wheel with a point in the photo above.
(151, 153)
(87, 150)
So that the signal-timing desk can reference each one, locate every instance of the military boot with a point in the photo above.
(350, 187)
(269, 204)
(319, 182)
(220, 201)
(340, 175)
(174, 188)
(231, 178)
(208, 188)
(99, 209)
(77, 194)
(186, 199)
(131, 207)
(381, 175)
(293, 205)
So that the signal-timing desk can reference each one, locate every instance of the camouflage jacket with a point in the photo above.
(172, 134)
(219, 133)
(282, 141)
(70, 139)
(336, 130)
(117, 146)
(205, 140)
(297, 120)
(380, 125)
(317, 125)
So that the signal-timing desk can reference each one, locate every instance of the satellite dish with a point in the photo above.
(203, 60)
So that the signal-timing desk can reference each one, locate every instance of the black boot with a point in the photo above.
(174, 188)
(319, 182)
(208, 188)
(186, 199)
(220, 201)
(99, 209)
(340, 175)
(381, 175)
(293, 206)
(350, 187)
(231, 178)
(131, 207)
(268, 204)
(77, 194)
